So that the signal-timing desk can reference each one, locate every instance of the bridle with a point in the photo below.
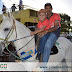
(5, 41)
(10, 32)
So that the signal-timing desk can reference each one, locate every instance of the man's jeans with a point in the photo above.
(42, 43)
(48, 46)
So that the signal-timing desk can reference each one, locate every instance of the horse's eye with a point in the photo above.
(6, 29)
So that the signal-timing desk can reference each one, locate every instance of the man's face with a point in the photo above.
(48, 9)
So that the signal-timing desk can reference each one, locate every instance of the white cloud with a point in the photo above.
(59, 6)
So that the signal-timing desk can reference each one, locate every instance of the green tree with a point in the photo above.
(65, 22)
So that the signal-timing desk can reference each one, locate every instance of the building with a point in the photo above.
(27, 17)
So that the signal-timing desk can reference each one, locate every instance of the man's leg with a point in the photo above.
(48, 45)
(42, 42)
(41, 45)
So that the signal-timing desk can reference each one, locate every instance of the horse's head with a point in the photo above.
(7, 30)
(11, 30)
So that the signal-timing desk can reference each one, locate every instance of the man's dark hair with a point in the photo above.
(47, 4)
(13, 4)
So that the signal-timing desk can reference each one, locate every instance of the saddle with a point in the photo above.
(54, 50)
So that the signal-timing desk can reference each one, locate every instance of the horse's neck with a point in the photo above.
(23, 31)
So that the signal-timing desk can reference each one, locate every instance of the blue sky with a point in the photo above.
(1, 4)
(59, 6)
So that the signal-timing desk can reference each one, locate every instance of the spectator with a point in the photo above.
(13, 8)
(4, 9)
(20, 5)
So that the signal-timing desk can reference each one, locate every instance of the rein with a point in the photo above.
(12, 29)
(8, 36)
(17, 51)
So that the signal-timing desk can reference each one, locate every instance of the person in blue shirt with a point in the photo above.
(20, 5)
(4, 9)
(13, 8)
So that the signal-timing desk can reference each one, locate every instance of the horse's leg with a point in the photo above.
(69, 65)
(65, 66)
(68, 57)
(62, 66)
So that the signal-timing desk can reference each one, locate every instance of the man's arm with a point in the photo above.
(50, 30)
(38, 30)
(53, 28)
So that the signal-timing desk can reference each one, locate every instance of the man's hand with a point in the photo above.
(42, 34)
(32, 33)
(49, 30)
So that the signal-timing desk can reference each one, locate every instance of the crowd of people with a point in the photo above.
(13, 7)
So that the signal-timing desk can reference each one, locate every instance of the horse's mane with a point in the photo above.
(4, 22)
(23, 26)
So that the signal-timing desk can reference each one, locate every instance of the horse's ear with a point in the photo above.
(3, 16)
(9, 15)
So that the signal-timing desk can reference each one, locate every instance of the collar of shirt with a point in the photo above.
(50, 16)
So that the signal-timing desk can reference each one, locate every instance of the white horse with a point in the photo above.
(11, 30)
